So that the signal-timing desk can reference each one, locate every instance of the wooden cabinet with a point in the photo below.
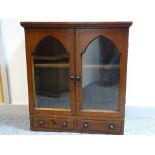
(77, 75)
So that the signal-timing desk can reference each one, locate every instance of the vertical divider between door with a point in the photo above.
(78, 71)
(75, 110)
(72, 73)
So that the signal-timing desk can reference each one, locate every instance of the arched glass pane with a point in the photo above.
(101, 72)
(51, 74)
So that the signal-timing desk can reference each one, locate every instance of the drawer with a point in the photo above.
(52, 123)
(107, 126)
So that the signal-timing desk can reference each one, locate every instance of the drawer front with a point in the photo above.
(109, 127)
(52, 123)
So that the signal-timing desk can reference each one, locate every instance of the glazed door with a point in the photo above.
(51, 60)
(100, 72)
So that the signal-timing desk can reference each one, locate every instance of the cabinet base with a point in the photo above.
(78, 124)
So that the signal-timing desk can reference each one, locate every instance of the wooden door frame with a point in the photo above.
(120, 38)
(33, 36)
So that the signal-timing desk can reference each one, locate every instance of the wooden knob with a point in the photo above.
(41, 123)
(78, 78)
(72, 77)
(53, 122)
(64, 124)
(85, 125)
(111, 126)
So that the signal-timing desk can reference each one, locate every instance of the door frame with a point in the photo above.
(32, 37)
(120, 38)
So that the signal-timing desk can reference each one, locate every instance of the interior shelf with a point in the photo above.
(52, 65)
(84, 66)
(109, 66)
(58, 57)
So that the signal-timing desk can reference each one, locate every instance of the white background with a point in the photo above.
(141, 57)
(141, 73)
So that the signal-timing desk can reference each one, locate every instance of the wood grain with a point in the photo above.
(76, 37)
(68, 25)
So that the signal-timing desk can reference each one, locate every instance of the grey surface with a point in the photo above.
(48, 102)
(19, 125)
(94, 97)
(100, 97)
(137, 121)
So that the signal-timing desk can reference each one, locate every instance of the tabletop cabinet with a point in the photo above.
(77, 75)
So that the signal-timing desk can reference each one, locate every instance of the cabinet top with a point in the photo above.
(116, 25)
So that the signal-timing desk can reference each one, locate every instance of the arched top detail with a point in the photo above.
(101, 50)
(101, 37)
(49, 46)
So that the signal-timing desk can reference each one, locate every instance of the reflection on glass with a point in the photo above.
(100, 81)
(51, 74)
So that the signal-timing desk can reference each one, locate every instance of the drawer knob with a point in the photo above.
(53, 122)
(64, 124)
(78, 78)
(41, 123)
(111, 126)
(85, 125)
(72, 77)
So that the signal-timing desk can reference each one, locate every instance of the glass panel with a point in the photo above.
(51, 74)
(101, 72)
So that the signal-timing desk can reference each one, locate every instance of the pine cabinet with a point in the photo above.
(77, 75)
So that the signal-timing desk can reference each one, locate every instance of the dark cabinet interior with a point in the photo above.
(51, 58)
(77, 76)
(101, 63)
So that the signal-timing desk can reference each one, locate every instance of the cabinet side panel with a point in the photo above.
(29, 73)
